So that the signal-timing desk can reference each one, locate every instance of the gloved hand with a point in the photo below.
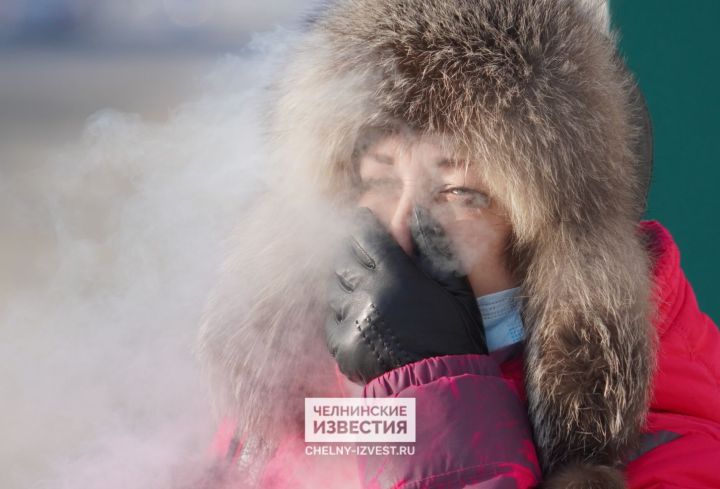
(388, 309)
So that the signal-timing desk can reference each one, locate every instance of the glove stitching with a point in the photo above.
(394, 340)
(364, 334)
(363, 256)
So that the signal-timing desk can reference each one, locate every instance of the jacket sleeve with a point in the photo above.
(681, 442)
(472, 429)
(676, 452)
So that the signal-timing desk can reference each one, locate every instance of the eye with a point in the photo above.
(465, 196)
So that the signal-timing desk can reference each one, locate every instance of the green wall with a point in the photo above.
(672, 47)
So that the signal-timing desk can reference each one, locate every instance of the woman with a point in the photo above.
(523, 107)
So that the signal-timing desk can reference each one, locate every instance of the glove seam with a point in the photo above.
(388, 332)
(372, 329)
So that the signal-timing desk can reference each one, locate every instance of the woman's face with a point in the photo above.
(398, 172)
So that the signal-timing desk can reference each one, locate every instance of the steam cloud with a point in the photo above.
(101, 388)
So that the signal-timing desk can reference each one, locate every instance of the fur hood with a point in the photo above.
(534, 91)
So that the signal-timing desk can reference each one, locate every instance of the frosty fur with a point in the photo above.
(532, 92)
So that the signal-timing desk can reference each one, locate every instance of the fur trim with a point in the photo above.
(533, 93)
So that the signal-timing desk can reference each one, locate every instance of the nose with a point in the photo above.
(399, 226)
(394, 209)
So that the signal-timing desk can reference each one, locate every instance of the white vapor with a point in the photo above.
(100, 388)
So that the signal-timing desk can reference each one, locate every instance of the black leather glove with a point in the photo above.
(388, 309)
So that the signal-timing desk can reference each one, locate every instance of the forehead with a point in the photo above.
(390, 147)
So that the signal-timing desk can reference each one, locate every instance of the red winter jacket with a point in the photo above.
(471, 411)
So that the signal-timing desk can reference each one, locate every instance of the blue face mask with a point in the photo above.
(501, 317)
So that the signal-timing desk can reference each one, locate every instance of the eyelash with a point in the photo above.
(464, 190)
(470, 195)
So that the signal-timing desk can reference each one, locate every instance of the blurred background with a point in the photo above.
(672, 47)
(61, 61)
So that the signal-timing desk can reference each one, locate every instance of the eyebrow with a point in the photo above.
(389, 160)
(446, 163)
(381, 158)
